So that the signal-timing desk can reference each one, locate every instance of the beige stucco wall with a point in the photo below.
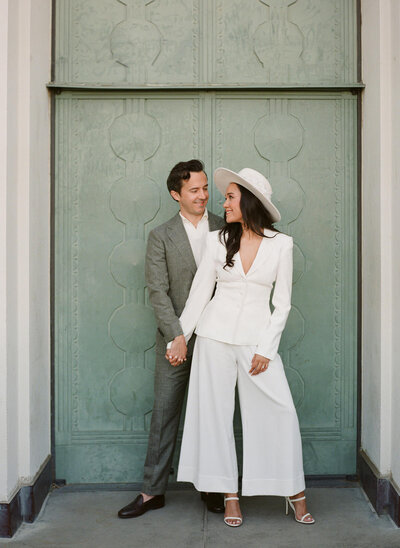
(25, 35)
(380, 435)
(395, 241)
(371, 233)
(8, 263)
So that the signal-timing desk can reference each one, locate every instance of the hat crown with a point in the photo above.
(251, 179)
(257, 180)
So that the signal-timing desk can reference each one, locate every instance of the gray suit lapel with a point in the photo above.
(177, 234)
(214, 222)
(179, 238)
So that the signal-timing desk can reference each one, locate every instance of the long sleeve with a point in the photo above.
(202, 289)
(271, 335)
(157, 280)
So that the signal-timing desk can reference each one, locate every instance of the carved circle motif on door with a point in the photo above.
(139, 200)
(136, 42)
(278, 137)
(128, 401)
(278, 42)
(126, 264)
(134, 201)
(134, 136)
(288, 197)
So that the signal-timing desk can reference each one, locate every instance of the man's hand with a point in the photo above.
(259, 364)
(177, 353)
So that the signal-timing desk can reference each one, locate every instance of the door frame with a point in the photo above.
(55, 89)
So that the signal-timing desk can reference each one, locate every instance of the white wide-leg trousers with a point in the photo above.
(272, 452)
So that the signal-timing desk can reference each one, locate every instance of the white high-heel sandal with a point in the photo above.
(232, 517)
(289, 502)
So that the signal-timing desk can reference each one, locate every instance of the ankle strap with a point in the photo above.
(231, 498)
(297, 500)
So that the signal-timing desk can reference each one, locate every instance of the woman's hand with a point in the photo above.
(259, 364)
(177, 353)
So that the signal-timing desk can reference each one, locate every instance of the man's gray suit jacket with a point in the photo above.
(170, 269)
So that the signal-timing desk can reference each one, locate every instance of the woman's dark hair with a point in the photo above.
(255, 218)
(181, 172)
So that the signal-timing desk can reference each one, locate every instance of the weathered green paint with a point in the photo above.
(113, 151)
(192, 42)
(112, 156)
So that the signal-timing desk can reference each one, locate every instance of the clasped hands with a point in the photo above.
(177, 355)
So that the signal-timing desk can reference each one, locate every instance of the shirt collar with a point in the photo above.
(186, 221)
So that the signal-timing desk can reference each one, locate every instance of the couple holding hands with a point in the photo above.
(214, 277)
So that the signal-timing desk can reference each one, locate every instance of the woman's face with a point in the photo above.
(232, 204)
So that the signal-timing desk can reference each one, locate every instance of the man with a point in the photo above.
(174, 252)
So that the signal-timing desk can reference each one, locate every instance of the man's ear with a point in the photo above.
(176, 196)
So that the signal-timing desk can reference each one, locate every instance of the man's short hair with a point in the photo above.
(181, 172)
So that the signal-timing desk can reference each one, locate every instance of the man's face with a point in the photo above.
(193, 197)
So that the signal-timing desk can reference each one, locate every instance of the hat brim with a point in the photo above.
(224, 177)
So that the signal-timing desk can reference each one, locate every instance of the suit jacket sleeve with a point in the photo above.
(271, 335)
(157, 279)
(202, 288)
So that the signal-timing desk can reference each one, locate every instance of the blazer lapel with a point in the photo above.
(263, 252)
(257, 259)
(214, 222)
(180, 240)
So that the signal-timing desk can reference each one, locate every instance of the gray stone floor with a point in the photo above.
(88, 519)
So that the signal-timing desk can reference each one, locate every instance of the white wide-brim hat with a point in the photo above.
(253, 181)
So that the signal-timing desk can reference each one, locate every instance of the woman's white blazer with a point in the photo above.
(239, 312)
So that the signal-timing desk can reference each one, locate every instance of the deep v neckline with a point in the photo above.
(254, 260)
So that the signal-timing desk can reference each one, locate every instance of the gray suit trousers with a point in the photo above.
(169, 392)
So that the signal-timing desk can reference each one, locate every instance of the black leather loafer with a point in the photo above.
(214, 502)
(137, 507)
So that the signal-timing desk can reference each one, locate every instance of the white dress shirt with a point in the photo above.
(197, 235)
(197, 238)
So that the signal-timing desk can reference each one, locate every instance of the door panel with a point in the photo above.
(197, 42)
(306, 147)
(110, 192)
(113, 153)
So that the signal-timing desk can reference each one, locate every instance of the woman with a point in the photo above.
(237, 341)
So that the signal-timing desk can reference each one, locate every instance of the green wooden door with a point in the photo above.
(114, 145)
